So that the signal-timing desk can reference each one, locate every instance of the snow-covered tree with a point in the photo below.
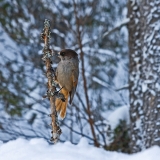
(144, 42)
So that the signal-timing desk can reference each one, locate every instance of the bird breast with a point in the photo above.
(64, 73)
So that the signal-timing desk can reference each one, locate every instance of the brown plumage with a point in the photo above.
(67, 77)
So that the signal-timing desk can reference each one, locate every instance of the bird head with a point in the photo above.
(66, 54)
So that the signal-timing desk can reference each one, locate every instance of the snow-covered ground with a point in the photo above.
(39, 149)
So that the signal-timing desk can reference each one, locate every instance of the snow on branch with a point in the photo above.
(123, 87)
(125, 22)
(100, 82)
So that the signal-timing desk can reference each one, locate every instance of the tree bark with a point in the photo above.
(47, 53)
(144, 42)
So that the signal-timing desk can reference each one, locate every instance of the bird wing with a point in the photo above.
(74, 81)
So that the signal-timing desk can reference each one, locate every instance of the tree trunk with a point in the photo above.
(144, 42)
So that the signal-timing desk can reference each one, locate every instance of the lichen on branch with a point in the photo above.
(50, 74)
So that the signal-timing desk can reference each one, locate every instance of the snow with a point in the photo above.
(144, 87)
(122, 113)
(104, 84)
(39, 149)
(118, 25)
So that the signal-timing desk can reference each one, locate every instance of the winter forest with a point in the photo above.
(117, 101)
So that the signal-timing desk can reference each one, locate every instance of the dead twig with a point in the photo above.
(50, 74)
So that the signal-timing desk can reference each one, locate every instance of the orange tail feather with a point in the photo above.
(62, 106)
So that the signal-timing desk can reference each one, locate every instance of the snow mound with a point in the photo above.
(122, 113)
(39, 149)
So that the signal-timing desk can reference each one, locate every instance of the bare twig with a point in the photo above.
(79, 34)
(47, 53)
(79, 133)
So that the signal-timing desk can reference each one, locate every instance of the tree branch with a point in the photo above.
(116, 28)
(79, 34)
(47, 54)
(123, 87)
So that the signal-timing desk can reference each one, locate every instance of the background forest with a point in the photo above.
(97, 31)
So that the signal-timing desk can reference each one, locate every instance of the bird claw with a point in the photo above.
(59, 95)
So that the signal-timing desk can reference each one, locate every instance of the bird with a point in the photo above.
(67, 73)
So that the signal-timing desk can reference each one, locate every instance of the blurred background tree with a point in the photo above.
(97, 31)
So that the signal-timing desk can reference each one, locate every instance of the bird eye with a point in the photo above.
(62, 53)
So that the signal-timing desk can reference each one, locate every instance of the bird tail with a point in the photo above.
(61, 106)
